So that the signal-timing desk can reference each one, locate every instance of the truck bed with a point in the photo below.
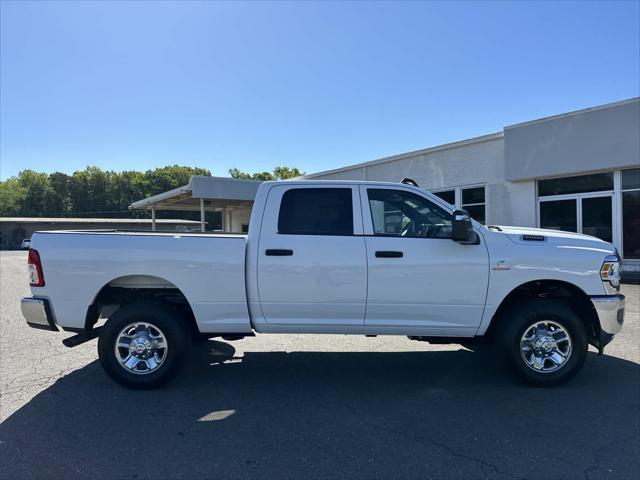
(207, 268)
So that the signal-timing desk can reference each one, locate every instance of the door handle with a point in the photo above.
(388, 254)
(278, 252)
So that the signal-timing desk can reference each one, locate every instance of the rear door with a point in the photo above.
(312, 266)
(419, 280)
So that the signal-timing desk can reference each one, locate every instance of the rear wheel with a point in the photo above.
(546, 342)
(143, 345)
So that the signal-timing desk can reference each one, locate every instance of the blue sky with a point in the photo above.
(137, 85)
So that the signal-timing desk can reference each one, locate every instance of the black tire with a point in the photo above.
(159, 316)
(521, 317)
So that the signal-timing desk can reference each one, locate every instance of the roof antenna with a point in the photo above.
(409, 181)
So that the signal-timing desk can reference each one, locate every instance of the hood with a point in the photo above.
(557, 238)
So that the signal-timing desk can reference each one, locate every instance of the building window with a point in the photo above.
(316, 211)
(597, 217)
(473, 201)
(559, 215)
(631, 179)
(631, 213)
(581, 204)
(596, 182)
(448, 196)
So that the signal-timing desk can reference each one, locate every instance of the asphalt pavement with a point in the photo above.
(311, 406)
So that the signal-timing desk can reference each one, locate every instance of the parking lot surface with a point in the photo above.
(311, 406)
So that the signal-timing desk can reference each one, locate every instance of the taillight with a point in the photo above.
(36, 278)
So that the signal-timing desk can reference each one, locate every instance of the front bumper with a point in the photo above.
(37, 313)
(610, 310)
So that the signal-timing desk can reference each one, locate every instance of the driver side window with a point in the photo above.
(398, 213)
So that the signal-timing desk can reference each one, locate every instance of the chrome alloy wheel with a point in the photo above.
(141, 348)
(545, 346)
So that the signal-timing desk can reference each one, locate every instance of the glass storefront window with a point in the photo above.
(631, 179)
(472, 195)
(476, 212)
(559, 215)
(473, 202)
(448, 196)
(596, 182)
(631, 213)
(631, 224)
(597, 217)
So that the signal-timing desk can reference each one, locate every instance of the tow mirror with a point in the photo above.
(462, 228)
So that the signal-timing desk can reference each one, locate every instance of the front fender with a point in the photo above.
(515, 264)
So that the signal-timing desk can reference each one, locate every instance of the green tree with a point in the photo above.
(133, 186)
(112, 192)
(279, 173)
(79, 194)
(97, 180)
(93, 190)
(283, 173)
(58, 201)
(170, 177)
(37, 190)
(12, 195)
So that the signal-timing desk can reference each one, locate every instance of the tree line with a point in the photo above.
(93, 192)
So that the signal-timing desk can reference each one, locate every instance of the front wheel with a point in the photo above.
(546, 342)
(142, 345)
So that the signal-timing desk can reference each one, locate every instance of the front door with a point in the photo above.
(591, 214)
(420, 281)
(312, 267)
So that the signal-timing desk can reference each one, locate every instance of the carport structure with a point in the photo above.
(230, 196)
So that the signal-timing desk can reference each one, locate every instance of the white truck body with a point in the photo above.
(359, 283)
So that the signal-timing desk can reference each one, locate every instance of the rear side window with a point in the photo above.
(316, 211)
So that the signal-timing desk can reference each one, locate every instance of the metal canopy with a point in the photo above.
(217, 194)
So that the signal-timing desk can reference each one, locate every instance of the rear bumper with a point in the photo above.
(37, 313)
(610, 310)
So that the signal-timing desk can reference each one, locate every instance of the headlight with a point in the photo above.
(610, 271)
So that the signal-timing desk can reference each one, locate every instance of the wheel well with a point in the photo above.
(574, 296)
(137, 288)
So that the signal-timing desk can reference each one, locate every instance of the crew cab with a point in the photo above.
(330, 257)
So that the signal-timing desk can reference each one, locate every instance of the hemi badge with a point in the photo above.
(533, 238)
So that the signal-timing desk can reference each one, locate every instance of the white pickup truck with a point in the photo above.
(330, 257)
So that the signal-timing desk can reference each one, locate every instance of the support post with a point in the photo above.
(202, 214)
(153, 219)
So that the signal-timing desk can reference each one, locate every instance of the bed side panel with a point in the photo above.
(208, 270)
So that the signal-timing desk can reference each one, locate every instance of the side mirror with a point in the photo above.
(462, 228)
